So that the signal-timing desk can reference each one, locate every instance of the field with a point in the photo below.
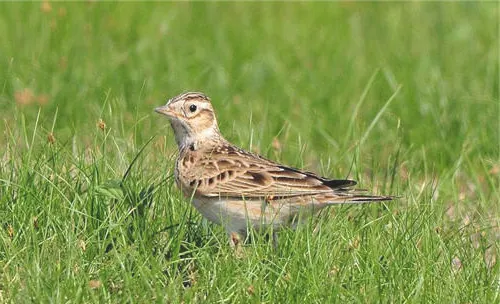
(403, 97)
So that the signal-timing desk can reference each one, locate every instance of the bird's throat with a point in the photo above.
(188, 139)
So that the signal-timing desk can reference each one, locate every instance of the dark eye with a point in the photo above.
(192, 108)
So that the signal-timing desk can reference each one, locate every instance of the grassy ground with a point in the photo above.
(403, 97)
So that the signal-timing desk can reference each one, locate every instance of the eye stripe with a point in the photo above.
(203, 111)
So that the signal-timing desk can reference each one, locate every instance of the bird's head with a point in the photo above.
(192, 118)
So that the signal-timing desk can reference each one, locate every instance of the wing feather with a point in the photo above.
(236, 173)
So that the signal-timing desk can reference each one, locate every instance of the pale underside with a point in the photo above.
(238, 215)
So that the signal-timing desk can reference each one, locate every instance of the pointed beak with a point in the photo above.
(165, 110)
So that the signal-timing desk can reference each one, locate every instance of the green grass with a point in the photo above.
(403, 97)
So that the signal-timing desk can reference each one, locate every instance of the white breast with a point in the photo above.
(236, 215)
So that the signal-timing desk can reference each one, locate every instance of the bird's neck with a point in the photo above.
(202, 140)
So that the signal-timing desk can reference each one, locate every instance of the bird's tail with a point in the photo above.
(355, 197)
(360, 198)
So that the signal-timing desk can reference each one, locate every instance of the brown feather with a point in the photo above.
(227, 171)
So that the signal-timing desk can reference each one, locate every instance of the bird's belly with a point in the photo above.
(238, 215)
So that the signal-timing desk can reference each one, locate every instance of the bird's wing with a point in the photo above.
(231, 172)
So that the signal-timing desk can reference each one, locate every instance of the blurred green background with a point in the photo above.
(307, 84)
(301, 62)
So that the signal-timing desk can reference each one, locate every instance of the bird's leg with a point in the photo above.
(234, 239)
(275, 240)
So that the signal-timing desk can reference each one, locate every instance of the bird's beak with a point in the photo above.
(165, 110)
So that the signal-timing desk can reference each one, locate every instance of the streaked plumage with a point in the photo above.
(236, 188)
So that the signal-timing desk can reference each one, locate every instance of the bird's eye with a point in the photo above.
(192, 108)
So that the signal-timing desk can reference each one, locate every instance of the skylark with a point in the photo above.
(239, 189)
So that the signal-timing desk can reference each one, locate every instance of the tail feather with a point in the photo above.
(339, 183)
(370, 198)
(356, 198)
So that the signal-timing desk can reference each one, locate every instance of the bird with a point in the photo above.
(240, 189)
